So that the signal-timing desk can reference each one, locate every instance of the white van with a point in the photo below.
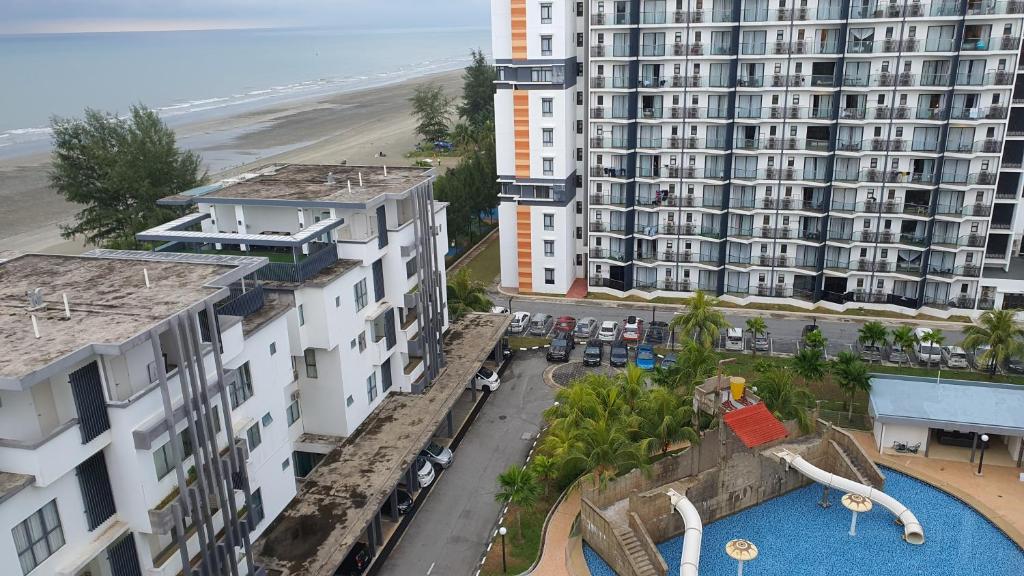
(926, 353)
(954, 356)
(734, 339)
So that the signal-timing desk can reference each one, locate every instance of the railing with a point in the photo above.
(653, 16)
(911, 9)
(616, 19)
(605, 282)
(614, 227)
(608, 199)
(299, 272)
(693, 172)
(969, 271)
(694, 49)
(895, 176)
(607, 172)
(788, 204)
(885, 46)
(777, 143)
(988, 146)
(777, 174)
(612, 82)
(608, 142)
(684, 201)
(242, 303)
(649, 228)
(963, 302)
(885, 79)
(989, 8)
(981, 44)
(967, 240)
(978, 113)
(606, 254)
(996, 78)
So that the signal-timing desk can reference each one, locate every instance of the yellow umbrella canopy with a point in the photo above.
(740, 549)
(856, 502)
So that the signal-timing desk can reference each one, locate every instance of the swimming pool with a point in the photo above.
(797, 538)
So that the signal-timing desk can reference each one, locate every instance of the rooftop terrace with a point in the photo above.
(340, 496)
(309, 184)
(108, 298)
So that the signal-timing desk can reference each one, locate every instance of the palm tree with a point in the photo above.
(783, 398)
(809, 364)
(518, 487)
(933, 338)
(701, 321)
(852, 375)
(873, 333)
(665, 417)
(756, 326)
(545, 469)
(904, 338)
(815, 339)
(694, 364)
(606, 448)
(1000, 331)
(466, 295)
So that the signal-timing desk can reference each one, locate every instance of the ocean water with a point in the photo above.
(795, 537)
(198, 75)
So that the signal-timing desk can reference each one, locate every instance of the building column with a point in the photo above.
(394, 505)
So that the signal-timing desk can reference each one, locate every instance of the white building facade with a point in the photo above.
(841, 154)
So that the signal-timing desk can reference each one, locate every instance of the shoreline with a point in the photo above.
(352, 126)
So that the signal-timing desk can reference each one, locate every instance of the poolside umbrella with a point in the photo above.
(741, 551)
(856, 503)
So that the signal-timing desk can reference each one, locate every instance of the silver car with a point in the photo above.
(585, 329)
(541, 324)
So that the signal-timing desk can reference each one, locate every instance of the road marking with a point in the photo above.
(431, 569)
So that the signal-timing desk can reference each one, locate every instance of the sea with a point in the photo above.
(192, 76)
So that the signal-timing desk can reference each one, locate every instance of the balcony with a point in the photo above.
(696, 173)
(680, 201)
(608, 199)
(53, 456)
(613, 227)
(612, 82)
(968, 271)
(883, 79)
(678, 285)
(888, 237)
(616, 19)
(609, 142)
(600, 171)
(897, 177)
(653, 17)
(1009, 43)
(606, 254)
(994, 8)
(978, 113)
(965, 302)
(891, 112)
(688, 17)
(987, 146)
(770, 203)
(997, 78)
(320, 256)
(913, 9)
(694, 49)
(886, 46)
(605, 282)
(967, 240)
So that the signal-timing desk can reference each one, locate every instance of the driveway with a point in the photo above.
(451, 529)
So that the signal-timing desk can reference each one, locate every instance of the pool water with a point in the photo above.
(796, 537)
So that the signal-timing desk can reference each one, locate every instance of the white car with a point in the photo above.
(487, 379)
(954, 356)
(438, 454)
(520, 322)
(609, 331)
(424, 471)
(499, 310)
(734, 339)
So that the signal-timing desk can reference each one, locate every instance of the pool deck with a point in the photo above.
(555, 556)
(998, 495)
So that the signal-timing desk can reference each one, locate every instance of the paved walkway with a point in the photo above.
(578, 289)
(999, 494)
(553, 557)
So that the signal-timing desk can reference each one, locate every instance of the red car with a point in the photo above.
(565, 324)
(632, 330)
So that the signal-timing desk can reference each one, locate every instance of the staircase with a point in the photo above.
(861, 474)
(638, 558)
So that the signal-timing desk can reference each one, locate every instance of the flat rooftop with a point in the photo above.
(1016, 271)
(957, 404)
(108, 298)
(339, 497)
(11, 484)
(309, 183)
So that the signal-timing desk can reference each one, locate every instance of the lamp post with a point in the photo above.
(504, 565)
(509, 304)
(981, 458)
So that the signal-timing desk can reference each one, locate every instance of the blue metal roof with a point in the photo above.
(953, 404)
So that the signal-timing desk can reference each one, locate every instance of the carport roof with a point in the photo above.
(954, 404)
(340, 497)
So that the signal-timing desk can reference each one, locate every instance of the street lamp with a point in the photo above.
(509, 304)
(504, 565)
(981, 459)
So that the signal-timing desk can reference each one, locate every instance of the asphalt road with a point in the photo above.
(451, 529)
(783, 328)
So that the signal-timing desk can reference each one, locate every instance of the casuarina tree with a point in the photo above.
(117, 169)
(433, 111)
(477, 107)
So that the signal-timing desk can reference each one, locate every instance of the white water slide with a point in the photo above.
(693, 533)
(913, 532)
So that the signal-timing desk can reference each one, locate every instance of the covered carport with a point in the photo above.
(947, 418)
(339, 502)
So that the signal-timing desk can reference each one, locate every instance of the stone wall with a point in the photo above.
(599, 532)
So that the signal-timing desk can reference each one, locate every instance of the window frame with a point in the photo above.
(250, 442)
(549, 272)
(549, 248)
(314, 373)
(547, 107)
(545, 8)
(549, 40)
(242, 386)
(371, 388)
(293, 413)
(25, 527)
(545, 218)
(361, 295)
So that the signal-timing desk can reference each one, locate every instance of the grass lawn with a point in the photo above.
(522, 549)
(282, 257)
(527, 341)
(486, 266)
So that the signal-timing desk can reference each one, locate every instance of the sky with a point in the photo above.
(64, 16)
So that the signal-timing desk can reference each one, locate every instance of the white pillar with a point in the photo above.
(240, 220)
(853, 525)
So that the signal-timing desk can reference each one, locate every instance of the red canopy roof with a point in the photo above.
(755, 425)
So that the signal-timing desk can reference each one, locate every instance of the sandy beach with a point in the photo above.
(353, 127)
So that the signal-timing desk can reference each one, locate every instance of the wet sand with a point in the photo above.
(352, 127)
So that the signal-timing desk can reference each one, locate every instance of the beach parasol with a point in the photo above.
(856, 503)
(741, 551)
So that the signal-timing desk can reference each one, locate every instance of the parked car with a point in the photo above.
(585, 329)
(962, 439)
(669, 361)
(645, 357)
(593, 353)
(871, 353)
(734, 339)
(761, 343)
(424, 471)
(618, 356)
(405, 503)
(954, 356)
(561, 348)
(898, 355)
(520, 323)
(926, 353)
(1015, 366)
(487, 379)
(499, 310)
(357, 561)
(438, 454)
(565, 324)
(540, 324)
(609, 331)
(978, 359)
(632, 330)
(657, 333)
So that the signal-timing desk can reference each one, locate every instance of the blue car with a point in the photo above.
(645, 356)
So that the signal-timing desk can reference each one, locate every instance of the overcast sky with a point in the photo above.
(35, 16)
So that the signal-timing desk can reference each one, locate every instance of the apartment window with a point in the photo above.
(371, 387)
(549, 166)
(579, 207)
(349, 401)
(549, 248)
(548, 136)
(310, 357)
(302, 316)
(267, 419)
(273, 348)
(545, 13)
(579, 39)
(337, 301)
(579, 98)
(579, 259)
(257, 506)
(545, 45)
(541, 75)
(549, 275)
(216, 419)
(293, 413)
(361, 295)
(163, 457)
(38, 537)
(285, 464)
(549, 221)
(579, 154)
(362, 340)
(252, 435)
(241, 389)
(579, 233)
(547, 106)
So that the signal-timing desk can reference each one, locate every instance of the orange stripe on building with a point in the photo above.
(521, 129)
(517, 17)
(524, 237)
